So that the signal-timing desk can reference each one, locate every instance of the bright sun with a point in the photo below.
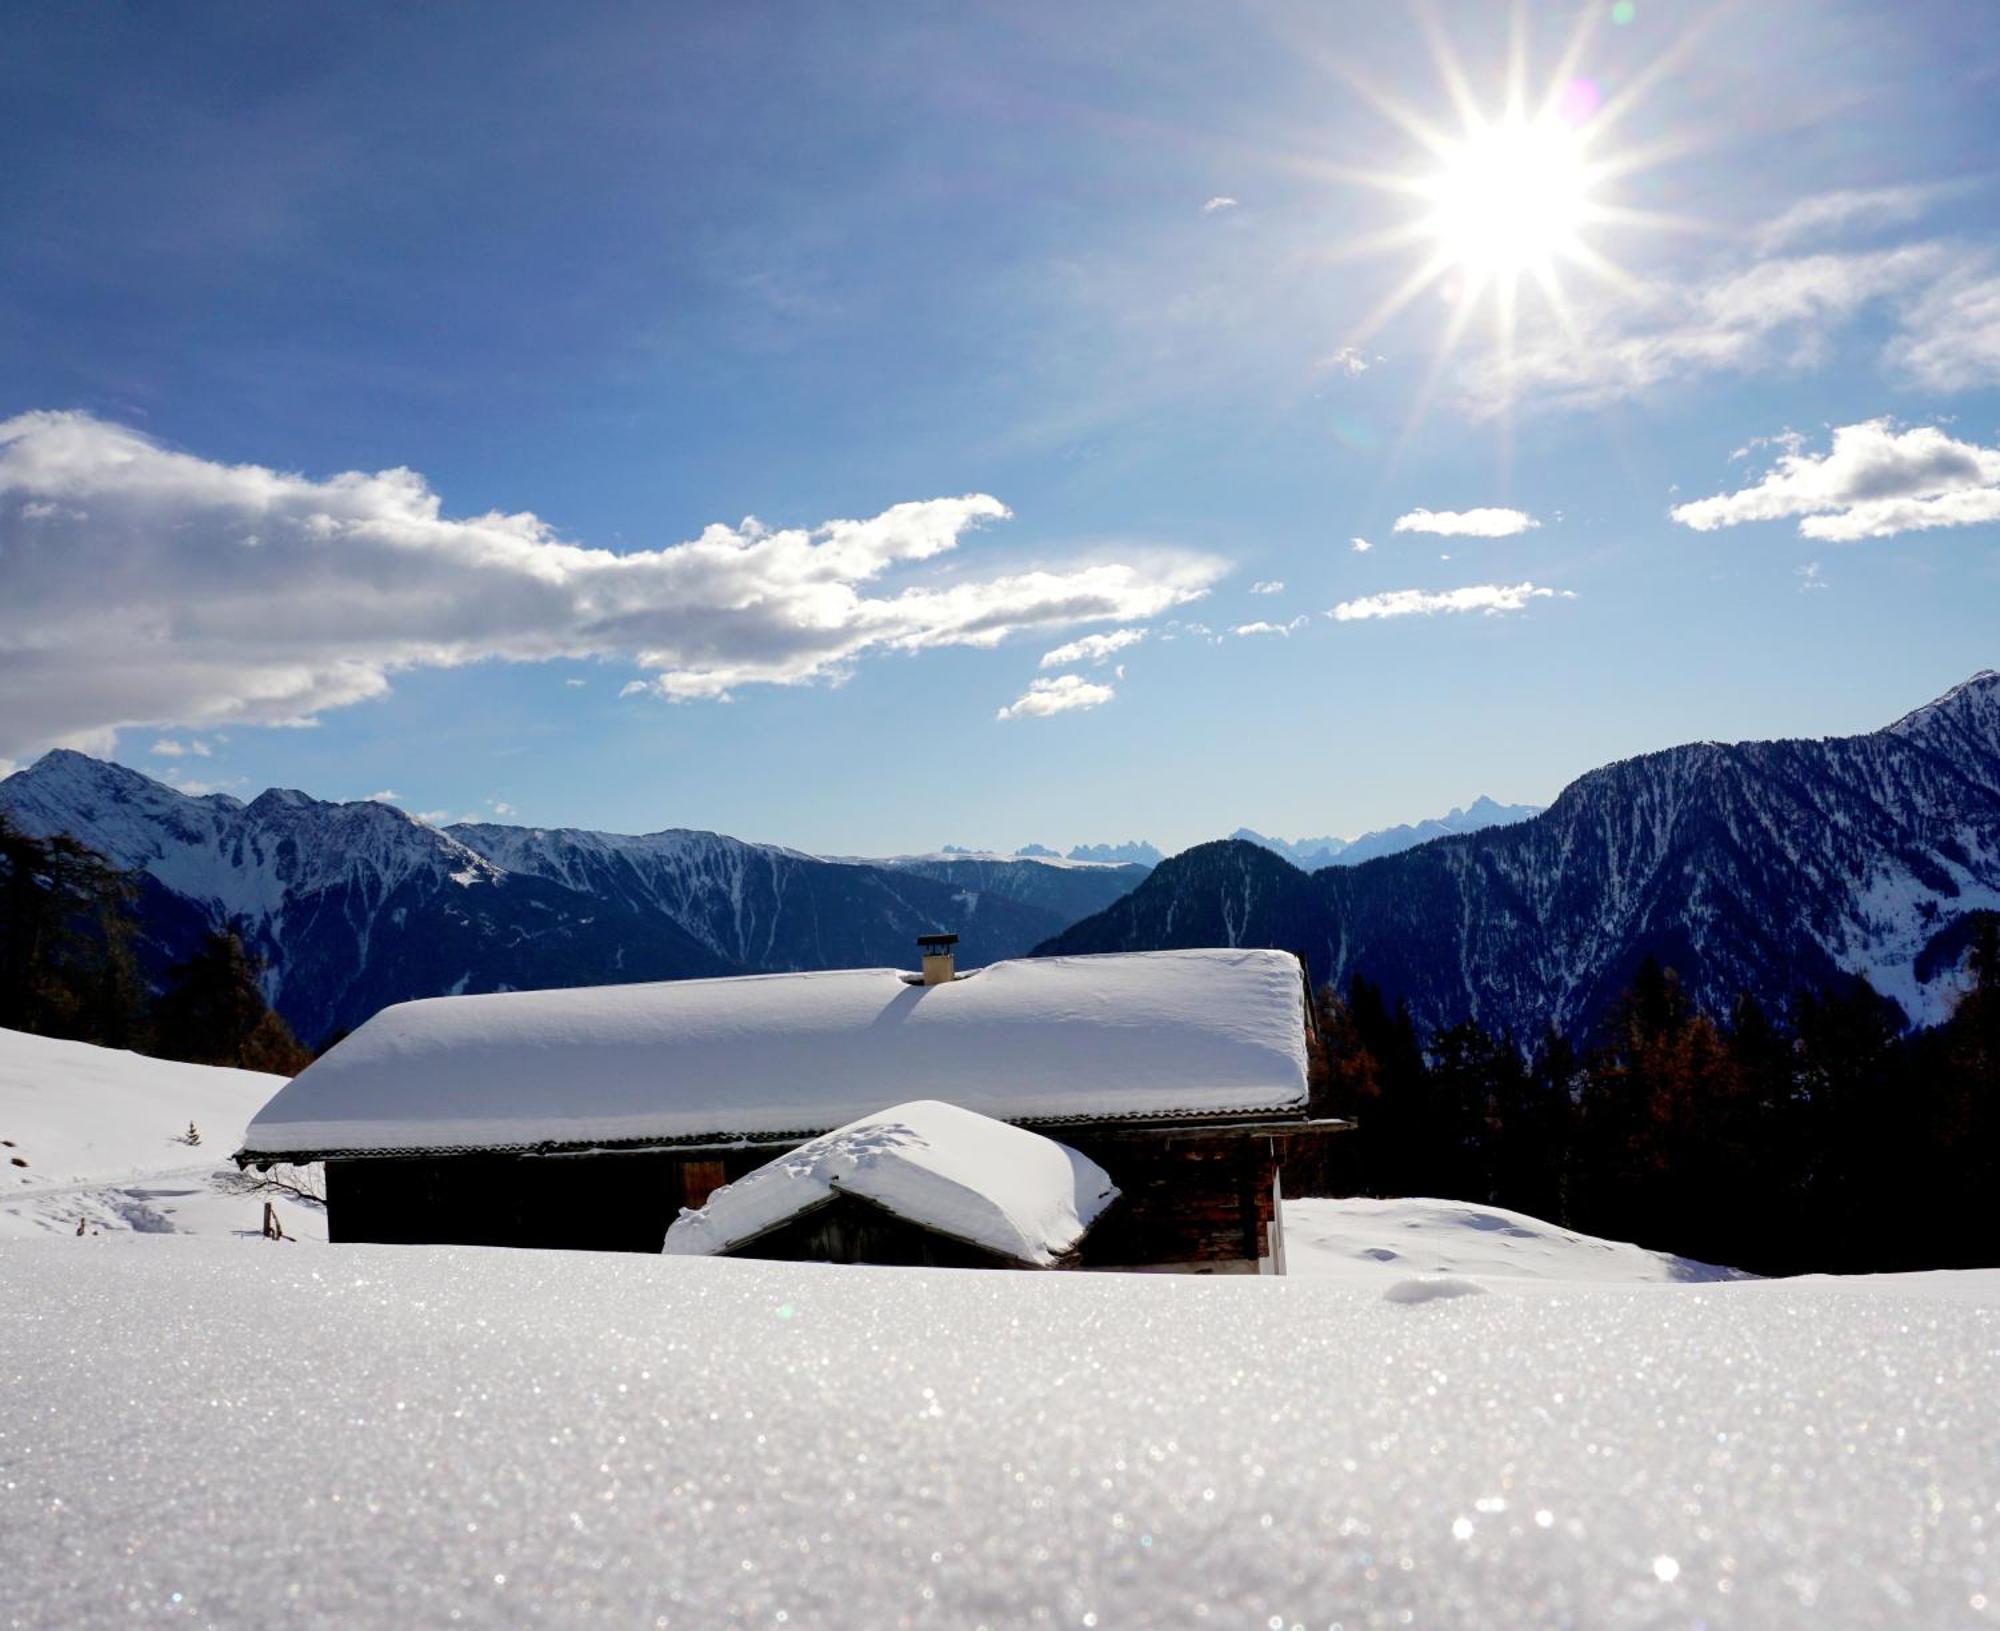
(1509, 199)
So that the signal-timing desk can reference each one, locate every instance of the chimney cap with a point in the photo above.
(938, 942)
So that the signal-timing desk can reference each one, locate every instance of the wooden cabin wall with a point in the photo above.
(1191, 1198)
(611, 1202)
(1201, 1200)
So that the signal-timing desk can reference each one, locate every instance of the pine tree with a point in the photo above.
(213, 1012)
(66, 966)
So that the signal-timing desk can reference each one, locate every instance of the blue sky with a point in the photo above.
(634, 271)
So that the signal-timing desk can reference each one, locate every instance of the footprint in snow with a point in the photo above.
(1432, 1288)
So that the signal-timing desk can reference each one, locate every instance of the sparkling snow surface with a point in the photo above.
(1145, 1032)
(210, 1432)
(966, 1175)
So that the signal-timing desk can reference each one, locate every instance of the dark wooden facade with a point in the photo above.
(1195, 1196)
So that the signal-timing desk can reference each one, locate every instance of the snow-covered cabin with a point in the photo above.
(926, 1183)
(589, 1118)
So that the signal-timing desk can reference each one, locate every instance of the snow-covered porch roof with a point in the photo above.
(998, 1187)
(1141, 1036)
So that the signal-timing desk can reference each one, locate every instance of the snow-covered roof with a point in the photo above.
(1000, 1187)
(1138, 1035)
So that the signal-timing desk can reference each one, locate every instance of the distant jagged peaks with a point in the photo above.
(1133, 852)
(357, 905)
(1310, 854)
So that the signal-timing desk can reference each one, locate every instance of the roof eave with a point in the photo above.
(1273, 1119)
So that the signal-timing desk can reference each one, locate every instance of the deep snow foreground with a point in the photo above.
(225, 1433)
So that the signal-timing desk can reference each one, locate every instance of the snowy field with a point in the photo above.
(99, 1135)
(1447, 1416)
(234, 1433)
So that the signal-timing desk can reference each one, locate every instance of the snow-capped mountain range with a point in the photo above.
(356, 905)
(1762, 867)
(1312, 853)
(1309, 853)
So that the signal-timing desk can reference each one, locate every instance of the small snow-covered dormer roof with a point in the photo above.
(1131, 1036)
(998, 1187)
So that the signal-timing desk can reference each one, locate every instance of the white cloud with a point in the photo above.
(1485, 523)
(1950, 340)
(1850, 207)
(1091, 648)
(575, 684)
(388, 795)
(168, 748)
(1270, 628)
(1779, 312)
(1809, 578)
(1350, 362)
(1360, 546)
(435, 818)
(1489, 598)
(1060, 694)
(1269, 586)
(1874, 481)
(1221, 201)
(156, 612)
(194, 787)
(500, 807)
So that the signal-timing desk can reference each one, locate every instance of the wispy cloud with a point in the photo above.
(1360, 546)
(1091, 648)
(1217, 204)
(1950, 338)
(1483, 523)
(161, 610)
(1064, 693)
(1269, 586)
(1847, 208)
(1782, 312)
(1809, 577)
(1873, 482)
(1350, 362)
(1488, 598)
(1270, 628)
(388, 795)
(168, 748)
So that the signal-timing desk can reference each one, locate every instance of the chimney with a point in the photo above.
(940, 964)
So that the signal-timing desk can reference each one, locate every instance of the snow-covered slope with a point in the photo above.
(232, 1435)
(1377, 1244)
(1765, 866)
(101, 1135)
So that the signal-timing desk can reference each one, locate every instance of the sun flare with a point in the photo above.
(1510, 198)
